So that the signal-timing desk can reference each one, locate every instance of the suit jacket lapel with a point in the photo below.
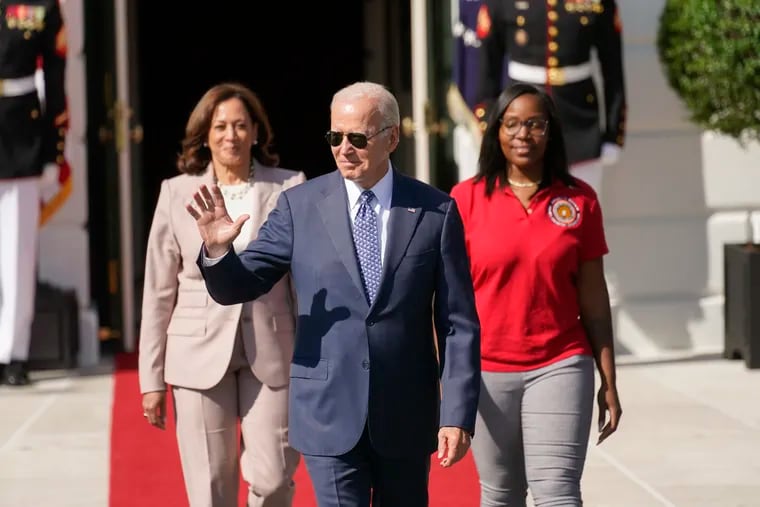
(402, 222)
(334, 210)
(261, 193)
(208, 176)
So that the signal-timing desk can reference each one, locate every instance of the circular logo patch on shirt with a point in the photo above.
(564, 212)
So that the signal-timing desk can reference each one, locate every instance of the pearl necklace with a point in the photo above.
(520, 184)
(235, 192)
(238, 190)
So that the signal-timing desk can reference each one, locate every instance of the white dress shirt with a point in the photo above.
(383, 191)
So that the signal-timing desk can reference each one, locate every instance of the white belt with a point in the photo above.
(17, 86)
(554, 76)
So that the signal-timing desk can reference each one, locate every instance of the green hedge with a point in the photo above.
(710, 50)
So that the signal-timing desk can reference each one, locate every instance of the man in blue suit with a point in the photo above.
(377, 259)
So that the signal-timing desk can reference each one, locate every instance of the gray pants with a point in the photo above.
(532, 432)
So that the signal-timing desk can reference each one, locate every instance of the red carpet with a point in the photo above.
(145, 468)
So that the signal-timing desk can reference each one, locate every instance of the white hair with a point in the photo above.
(386, 102)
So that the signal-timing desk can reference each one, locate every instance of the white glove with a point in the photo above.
(49, 185)
(610, 154)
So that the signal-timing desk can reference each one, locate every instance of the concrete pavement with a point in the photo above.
(54, 440)
(690, 437)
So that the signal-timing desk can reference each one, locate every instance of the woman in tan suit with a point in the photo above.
(225, 364)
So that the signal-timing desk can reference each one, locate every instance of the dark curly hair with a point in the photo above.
(195, 157)
(492, 164)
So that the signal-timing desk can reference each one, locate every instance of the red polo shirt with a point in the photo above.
(524, 265)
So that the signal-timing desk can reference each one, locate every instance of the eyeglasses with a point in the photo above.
(355, 138)
(535, 126)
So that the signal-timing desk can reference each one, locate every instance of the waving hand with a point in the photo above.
(217, 229)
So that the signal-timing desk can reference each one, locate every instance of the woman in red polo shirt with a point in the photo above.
(536, 240)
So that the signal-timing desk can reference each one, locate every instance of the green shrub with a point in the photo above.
(710, 50)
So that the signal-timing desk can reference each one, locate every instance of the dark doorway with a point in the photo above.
(293, 55)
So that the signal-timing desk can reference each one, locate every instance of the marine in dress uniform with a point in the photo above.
(31, 140)
(548, 43)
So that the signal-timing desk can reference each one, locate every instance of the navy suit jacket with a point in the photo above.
(355, 364)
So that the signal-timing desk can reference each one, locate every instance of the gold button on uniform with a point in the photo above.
(590, 98)
(520, 20)
(553, 31)
(553, 47)
(551, 3)
(521, 37)
(35, 114)
(552, 61)
(552, 15)
(584, 20)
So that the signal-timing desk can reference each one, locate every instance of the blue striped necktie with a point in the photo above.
(367, 243)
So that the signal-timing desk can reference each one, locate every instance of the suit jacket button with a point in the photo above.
(365, 364)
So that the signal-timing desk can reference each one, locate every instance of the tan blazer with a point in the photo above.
(186, 338)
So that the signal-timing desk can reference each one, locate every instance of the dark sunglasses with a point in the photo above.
(356, 139)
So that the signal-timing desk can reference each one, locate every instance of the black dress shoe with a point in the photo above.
(15, 374)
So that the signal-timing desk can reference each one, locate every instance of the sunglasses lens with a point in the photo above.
(334, 138)
(358, 140)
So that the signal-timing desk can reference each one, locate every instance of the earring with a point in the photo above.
(255, 142)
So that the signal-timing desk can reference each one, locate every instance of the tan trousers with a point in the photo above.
(208, 440)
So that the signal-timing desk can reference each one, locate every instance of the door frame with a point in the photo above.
(113, 136)
(125, 136)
